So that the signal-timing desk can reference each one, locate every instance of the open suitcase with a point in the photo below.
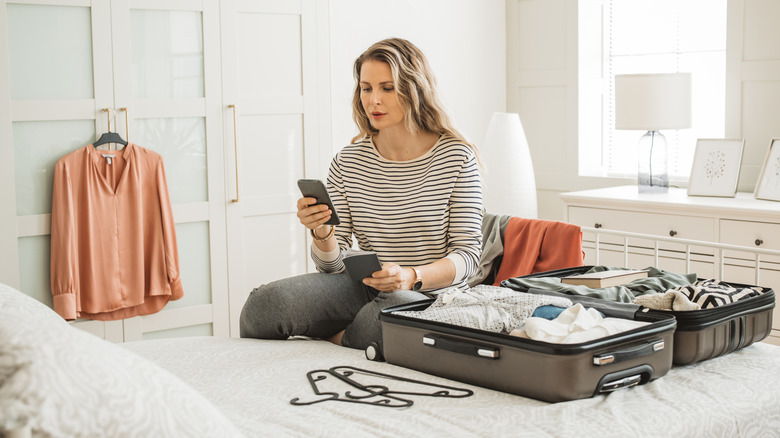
(541, 370)
(700, 334)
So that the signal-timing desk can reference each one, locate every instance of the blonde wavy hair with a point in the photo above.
(415, 87)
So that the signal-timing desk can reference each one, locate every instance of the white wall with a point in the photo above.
(464, 40)
(753, 81)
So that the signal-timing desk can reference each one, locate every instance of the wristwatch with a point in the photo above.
(418, 282)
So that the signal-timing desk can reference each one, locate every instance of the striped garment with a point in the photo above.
(409, 212)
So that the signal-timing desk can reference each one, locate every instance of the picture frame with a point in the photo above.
(768, 185)
(716, 167)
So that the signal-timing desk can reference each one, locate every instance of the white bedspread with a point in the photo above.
(252, 382)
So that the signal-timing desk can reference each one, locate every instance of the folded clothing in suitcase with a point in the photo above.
(545, 371)
(700, 335)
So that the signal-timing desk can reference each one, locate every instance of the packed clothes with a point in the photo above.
(502, 310)
(490, 308)
(556, 319)
(575, 325)
(657, 281)
(669, 300)
(702, 294)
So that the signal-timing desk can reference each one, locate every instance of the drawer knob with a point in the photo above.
(759, 242)
(672, 233)
(597, 225)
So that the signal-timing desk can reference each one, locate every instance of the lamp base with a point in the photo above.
(652, 172)
(646, 188)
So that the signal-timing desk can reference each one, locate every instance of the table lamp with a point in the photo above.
(653, 102)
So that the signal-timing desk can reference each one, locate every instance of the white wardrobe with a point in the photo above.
(234, 96)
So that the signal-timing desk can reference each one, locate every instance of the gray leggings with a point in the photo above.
(319, 306)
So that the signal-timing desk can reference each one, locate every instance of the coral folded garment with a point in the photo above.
(575, 325)
(536, 245)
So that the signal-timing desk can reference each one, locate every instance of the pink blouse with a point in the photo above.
(113, 238)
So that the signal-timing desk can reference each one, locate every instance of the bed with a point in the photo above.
(252, 382)
(56, 380)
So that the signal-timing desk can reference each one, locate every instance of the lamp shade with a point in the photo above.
(509, 185)
(653, 101)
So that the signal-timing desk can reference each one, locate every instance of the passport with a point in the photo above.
(361, 264)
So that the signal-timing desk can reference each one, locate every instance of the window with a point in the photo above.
(649, 36)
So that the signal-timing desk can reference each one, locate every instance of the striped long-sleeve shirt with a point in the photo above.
(409, 212)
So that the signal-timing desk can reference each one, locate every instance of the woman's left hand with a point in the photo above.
(391, 278)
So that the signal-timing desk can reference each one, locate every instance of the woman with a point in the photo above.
(408, 188)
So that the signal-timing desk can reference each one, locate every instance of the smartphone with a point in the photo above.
(314, 188)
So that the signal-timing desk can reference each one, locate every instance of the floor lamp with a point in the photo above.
(652, 102)
(508, 182)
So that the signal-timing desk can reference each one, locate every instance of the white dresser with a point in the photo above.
(741, 220)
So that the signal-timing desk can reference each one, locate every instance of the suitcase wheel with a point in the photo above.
(374, 352)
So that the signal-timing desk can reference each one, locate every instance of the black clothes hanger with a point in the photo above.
(375, 393)
(316, 377)
(349, 375)
(110, 137)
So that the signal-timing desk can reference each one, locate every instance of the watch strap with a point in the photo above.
(418, 281)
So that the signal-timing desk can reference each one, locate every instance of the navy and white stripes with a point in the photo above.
(409, 212)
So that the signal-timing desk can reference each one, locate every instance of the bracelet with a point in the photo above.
(322, 239)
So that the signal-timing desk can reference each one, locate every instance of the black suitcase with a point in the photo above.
(701, 334)
(541, 370)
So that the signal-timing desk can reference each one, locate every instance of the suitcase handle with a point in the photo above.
(641, 350)
(461, 347)
(638, 375)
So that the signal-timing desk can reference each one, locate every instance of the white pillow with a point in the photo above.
(67, 382)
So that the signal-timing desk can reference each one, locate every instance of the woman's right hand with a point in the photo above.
(312, 216)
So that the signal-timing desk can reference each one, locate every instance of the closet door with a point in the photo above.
(166, 74)
(270, 73)
(55, 82)
(155, 66)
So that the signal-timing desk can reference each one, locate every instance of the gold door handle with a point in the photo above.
(127, 124)
(108, 117)
(235, 147)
